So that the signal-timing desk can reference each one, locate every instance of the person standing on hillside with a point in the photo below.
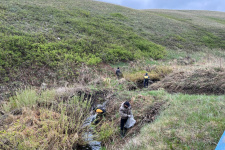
(146, 79)
(125, 113)
(118, 73)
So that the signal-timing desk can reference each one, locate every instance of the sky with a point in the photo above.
(212, 5)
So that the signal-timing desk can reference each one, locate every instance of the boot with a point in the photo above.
(122, 133)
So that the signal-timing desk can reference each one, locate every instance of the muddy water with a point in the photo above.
(88, 136)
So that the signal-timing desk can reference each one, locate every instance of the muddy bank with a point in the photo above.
(200, 81)
(93, 96)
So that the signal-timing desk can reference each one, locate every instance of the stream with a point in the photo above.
(92, 144)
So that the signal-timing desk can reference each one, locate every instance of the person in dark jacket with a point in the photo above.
(125, 113)
(146, 79)
(118, 73)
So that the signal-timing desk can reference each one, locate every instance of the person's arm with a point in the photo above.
(122, 114)
(130, 112)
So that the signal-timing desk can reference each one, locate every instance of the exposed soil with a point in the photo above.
(152, 112)
(140, 83)
(85, 94)
(200, 81)
(34, 77)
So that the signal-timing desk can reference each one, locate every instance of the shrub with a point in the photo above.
(117, 53)
(105, 132)
(156, 73)
(150, 49)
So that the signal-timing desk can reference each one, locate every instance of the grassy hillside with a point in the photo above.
(54, 34)
(75, 43)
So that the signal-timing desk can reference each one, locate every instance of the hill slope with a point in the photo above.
(53, 33)
(53, 41)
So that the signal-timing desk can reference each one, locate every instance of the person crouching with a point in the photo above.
(100, 114)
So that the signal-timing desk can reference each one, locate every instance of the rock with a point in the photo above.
(17, 112)
(6, 120)
(29, 122)
(1, 112)
(43, 86)
(122, 80)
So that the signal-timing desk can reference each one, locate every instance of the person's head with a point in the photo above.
(126, 104)
(146, 74)
(118, 68)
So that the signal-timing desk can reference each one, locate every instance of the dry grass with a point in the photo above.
(155, 73)
(204, 76)
(214, 58)
(45, 124)
(38, 128)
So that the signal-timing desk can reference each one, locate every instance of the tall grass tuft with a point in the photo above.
(50, 126)
(22, 98)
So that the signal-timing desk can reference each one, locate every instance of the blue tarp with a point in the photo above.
(221, 144)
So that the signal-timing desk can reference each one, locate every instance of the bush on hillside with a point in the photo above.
(155, 74)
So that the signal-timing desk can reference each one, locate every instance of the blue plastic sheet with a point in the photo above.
(221, 144)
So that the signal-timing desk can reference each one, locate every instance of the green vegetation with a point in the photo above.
(48, 36)
(66, 33)
(171, 121)
(28, 98)
(188, 122)
(65, 40)
(155, 74)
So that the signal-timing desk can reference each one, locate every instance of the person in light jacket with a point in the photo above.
(125, 113)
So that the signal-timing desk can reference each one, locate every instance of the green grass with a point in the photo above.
(187, 122)
(222, 21)
(24, 98)
(28, 98)
(177, 54)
